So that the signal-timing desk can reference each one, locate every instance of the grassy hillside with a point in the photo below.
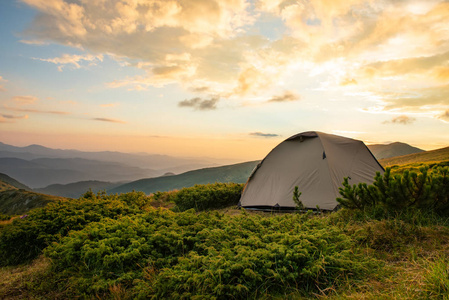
(237, 173)
(381, 151)
(120, 247)
(76, 189)
(7, 182)
(433, 156)
(116, 247)
(15, 202)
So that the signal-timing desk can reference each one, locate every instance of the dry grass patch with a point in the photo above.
(16, 281)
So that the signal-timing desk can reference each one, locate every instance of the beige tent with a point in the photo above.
(316, 162)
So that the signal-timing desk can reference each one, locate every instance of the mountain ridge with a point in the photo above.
(381, 151)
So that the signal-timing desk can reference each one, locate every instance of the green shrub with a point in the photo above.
(208, 196)
(409, 190)
(4, 217)
(162, 254)
(26, 237)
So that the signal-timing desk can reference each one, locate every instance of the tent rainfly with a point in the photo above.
(317, 163)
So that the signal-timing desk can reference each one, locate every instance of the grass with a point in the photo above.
(23, 281)
(433, 156)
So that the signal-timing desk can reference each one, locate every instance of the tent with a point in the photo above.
(317, 163)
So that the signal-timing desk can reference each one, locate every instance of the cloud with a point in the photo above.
(109, 105)
(348, 81)
(216, 43)
(265, 135)
(14, 116)
(33, 42)
(6, 118)
(444, 116)
(74, 60)
(403, 119)
(415, 100)
(200, 104)
(24, 100)
(109, 120)
(287, 96)
(2, 89)
(53, 112)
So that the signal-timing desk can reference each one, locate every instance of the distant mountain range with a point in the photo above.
(70, 173)
(237, 173)
(38, 166)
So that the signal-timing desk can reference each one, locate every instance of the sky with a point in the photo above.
(226, 79)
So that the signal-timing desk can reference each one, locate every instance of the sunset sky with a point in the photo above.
(221, 78)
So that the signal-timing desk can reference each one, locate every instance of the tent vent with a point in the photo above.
(324, 155)
(277, 205)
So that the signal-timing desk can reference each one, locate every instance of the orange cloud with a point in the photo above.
(109, 120)
(403, 119)
(287, 96)
(24, 100)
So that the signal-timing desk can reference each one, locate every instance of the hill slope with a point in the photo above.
(437, 155)
(381, 151)
(76, 189)
(7, 182)
(237, 173)
(14, 202)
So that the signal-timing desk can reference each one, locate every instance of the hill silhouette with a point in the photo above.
(381, 151)
(237, 173)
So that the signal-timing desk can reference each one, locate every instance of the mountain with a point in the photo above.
(7, 182)
(45, 171)
(437, 155)
(381, 151)
(238, 173)
(77, 189)
(162, 163)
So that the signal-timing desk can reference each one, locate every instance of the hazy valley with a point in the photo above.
(70, 173)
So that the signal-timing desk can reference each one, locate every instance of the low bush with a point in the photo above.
(401, 192)
(27, 236)
(208, 196)
(162, 254)
(4, 217)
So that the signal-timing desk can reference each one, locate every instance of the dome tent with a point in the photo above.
(317, 163)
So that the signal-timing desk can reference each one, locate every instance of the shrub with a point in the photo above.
(400, 192)
(208, 196)
(26, 237)
(4, 217)
(162, 254)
